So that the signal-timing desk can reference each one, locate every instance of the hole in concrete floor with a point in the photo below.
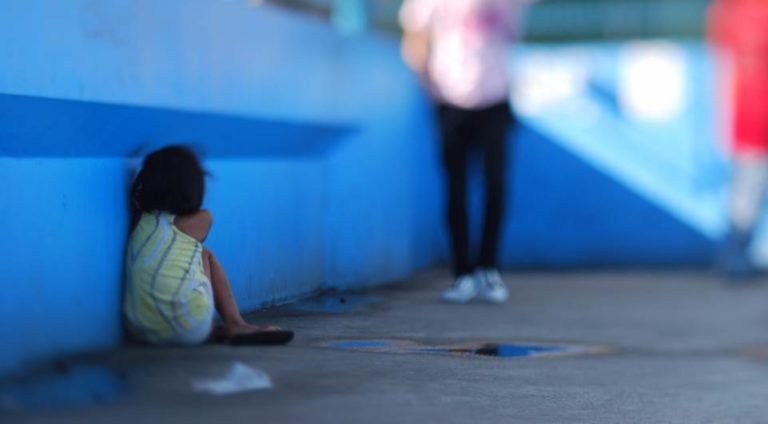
(511, 350)
(335, 303)
(65, 386)
(497, 350)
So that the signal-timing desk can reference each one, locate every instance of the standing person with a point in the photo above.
(459, 49)
(739, 30)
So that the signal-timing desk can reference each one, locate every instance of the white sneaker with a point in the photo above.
(492, 287)
(464, 289)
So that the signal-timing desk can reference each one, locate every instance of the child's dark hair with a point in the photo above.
(171, 180)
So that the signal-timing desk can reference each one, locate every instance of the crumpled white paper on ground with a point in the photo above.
(238, 378)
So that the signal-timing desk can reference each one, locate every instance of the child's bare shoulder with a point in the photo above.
(196, 225)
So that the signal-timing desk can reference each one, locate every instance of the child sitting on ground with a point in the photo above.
(173, 283)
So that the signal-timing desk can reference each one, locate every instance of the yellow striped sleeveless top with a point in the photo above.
(168, 297)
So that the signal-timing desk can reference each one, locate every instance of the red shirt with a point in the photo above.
(740, 29)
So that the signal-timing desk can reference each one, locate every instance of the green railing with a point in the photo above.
(548, 20)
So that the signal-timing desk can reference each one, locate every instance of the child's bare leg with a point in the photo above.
(224, 300)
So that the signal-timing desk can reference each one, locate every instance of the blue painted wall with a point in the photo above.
(310, 138)
(597, 184)
(63, 223)
(676, 161)
(568, 213)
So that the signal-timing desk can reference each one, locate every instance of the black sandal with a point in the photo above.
(262, 338)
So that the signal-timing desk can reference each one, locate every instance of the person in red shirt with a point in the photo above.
(739, 31)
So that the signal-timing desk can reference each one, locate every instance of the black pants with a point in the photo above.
(485, 131)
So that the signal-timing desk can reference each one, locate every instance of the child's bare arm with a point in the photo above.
(196, 225)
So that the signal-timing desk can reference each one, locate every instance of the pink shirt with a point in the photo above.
(469, 41)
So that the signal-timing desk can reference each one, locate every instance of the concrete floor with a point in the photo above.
(687, 350)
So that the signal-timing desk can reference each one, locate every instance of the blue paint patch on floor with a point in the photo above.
(498, 350)
(336, 304)
(75, 386)
(517, 351)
